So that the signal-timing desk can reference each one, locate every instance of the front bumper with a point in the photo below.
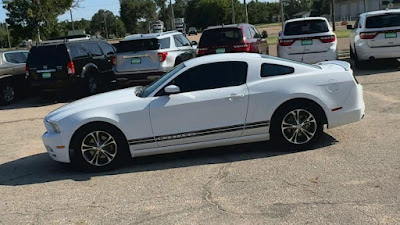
(53, 142)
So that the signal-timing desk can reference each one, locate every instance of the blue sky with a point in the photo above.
(89, 8)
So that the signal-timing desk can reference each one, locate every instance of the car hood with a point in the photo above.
(93, 102)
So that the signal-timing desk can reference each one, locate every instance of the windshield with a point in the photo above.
(387, 20)
(306, 27)
(150, 89)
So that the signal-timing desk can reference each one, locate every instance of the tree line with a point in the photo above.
(37, 19)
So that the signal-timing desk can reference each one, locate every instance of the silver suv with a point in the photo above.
(141, 58)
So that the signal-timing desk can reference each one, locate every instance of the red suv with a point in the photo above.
(232, 38)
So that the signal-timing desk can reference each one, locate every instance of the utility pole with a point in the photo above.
(333, 15)
(282, 14)
(173, 16)
(72, 21)
(245, 10)
(365, 6)
(105, 25)
(233, 12)
(8, 35)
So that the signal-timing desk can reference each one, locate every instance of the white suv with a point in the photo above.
(308, 40)
(376, 35)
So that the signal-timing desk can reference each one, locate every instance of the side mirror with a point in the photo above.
(280, 33)
(350, 27)
(264, 34)
(194, 42)
(172, 89)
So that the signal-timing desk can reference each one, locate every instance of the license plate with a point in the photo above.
(136, 60)
(220, 50)
(306, 42)
(390, 35)
(46, 75)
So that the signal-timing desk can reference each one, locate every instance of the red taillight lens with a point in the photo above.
(242, 48)
(327, 39)
(286, 42)
(113, 60)
(71, 67)
(26, 70)
(162, 56)
(368, 35)
(201, 51)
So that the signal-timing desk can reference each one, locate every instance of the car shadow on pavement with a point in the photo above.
(40, 168)
(377, 67)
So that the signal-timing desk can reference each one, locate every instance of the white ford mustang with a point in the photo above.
(205, 102)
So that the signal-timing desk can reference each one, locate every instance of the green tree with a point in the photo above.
(103, 18)
(133, 11)
(34, 19)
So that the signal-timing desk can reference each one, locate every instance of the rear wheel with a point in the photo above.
(7, 93)
(93, 84)
(358, 63)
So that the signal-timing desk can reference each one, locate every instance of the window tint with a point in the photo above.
(165, 43)
(181, 41)
(268, 70)
(221, 36)
(52, 55)
(95, 49)
(306, 27)
(256, 33)
(186, 42)
(142, 45)
(15, 57)
(78, 51)
(107, 49)
(387, 20)
(211, 76)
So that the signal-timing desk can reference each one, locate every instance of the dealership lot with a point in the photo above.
(353, 177)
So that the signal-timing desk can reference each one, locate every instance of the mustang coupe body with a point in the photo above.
(205, 102)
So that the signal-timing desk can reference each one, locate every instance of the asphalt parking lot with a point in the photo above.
(352, 177)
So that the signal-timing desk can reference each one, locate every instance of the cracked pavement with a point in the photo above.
(351, 177)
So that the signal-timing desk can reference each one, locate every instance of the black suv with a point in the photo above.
(59, 64)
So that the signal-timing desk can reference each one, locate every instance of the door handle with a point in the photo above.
(232, 97)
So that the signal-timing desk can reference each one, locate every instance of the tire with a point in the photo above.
(289, 126)
(7, 93)
(358, 63)
(98, 147)
(94, 84)
(178, 61)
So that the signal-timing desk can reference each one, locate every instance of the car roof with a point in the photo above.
(150, 36)
(228, 26)
(221, 57)
(304, 19)
(380, 12)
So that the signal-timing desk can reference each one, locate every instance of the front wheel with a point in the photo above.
(297, 125)
(7, 93)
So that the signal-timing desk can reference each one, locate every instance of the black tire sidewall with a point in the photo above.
(80, 163)
(3, 85)
(276, 132)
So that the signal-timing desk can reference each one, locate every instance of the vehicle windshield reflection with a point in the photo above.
(148, 90)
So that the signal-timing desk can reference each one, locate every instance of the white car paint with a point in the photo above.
(215, 117)
(316, 52)
(378, 47)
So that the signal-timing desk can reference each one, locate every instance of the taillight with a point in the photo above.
(368, 35)
(162, 56)
(26, 70)
(327, 39)
(242, 48)
(113, 60)
(286, 42)
(71, 67)
(201, 51)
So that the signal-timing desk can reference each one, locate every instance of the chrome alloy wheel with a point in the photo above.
(299, 126)
(99, 148)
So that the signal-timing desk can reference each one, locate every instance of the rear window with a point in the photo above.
(49, 55)
(143, 45)
(387, 20)
(306, 27)
(219, 36)
(268, 70)
(15, 57)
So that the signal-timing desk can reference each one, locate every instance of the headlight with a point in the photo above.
(55, 126)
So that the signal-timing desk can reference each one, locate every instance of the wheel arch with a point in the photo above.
(6, 78)
(88, 68)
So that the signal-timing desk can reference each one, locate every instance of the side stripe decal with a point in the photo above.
(199, 133)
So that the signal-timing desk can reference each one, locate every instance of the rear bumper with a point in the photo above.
(310, 58)
(138, 78)
(353, 109)
(364, 52)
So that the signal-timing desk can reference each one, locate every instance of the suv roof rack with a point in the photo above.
(63, 40)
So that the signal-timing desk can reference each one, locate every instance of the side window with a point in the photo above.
(211, 76)
(268, 70)
(357, 24)
(181, 41)
(247, 32)
(252, 33)
(107, 49)
(15, 57)
(165, 43)
(186, 42)
(77, 51)
(94, 49)
(256, 33)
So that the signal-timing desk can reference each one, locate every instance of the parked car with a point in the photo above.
(232, 38)
(192, 30)
(206, 102)
(375, 35)
(142, 58)
(59, 64)
(308, 40)
(12, 75)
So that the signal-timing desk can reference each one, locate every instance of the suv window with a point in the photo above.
(78, 51)
(256, 33)
(142, 45)
(15, 57)
(357, 23)
(181, 41)
(268, 70)
(164, 43)
(306, 27)
(94, 49)
(221, 35)
(107, 49)
(387, 20)
(51, 55)
(247, 32)
(211, 76)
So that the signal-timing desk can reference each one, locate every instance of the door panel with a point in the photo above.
(199, 116)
